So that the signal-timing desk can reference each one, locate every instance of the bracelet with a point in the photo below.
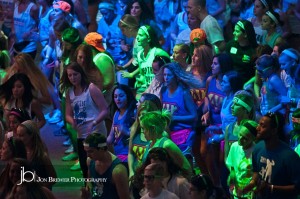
(272, 188)
(94, 122)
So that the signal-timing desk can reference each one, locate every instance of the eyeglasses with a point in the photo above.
(150, 177)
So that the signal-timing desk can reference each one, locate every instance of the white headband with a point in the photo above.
(145, 30)
(265, 3)
(92, 145)
(242, 103)
(272, 17)
(291, 54)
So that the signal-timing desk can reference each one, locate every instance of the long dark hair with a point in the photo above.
(65, 82)
(146, 15)
(6, 89)
(131, 103)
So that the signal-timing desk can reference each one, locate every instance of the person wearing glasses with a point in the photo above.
(276, 171)
(153, 176)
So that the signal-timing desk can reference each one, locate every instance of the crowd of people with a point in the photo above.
(163, 98)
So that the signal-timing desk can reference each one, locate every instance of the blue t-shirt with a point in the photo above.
(279, 166)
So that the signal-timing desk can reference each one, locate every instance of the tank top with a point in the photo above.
(158, 143)
(44, 26)
(269, 98)
(182, 25)
(272, 41)
(139, 147)
(176, 105)
(23, 23)
(145, 67)
(226, 115)
(105, 189)
(85, 112)
(215, 99)
(121, 140)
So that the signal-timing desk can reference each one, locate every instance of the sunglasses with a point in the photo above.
(150, 177)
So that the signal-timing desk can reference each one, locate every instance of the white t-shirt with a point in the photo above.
(163, 195)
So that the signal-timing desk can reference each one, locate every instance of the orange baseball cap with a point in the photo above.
(94, 39)
(64, 6)
(197, 35)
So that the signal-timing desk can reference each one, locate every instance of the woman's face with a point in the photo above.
(155, 67)
(259, 10)
(178, 55)
(215, 67)
(146, 132)
(24, 136)
(6, 153)
(18, 89)
(120, 99)
(169, 77)
(196, 59)
(237, 109)
(238, 34)
(13, 123)
(225, 84)
(136, 10)
(266, 22)
(142, 38)
(244, 138)
(74, 77)
(81, 58)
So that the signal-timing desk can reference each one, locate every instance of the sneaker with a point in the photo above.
(76, 166)
(71, 156)
(67, 142)
(69, 150)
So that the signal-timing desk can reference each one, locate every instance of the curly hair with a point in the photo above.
(186, 79)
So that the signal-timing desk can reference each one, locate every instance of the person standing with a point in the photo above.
(276, 171)
(104, 165)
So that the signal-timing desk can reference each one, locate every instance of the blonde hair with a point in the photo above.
(37, 78)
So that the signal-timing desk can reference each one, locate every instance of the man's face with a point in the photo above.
(108, 15)
(91, 152)
(264, 129)
(150, 180)
(192, 8)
